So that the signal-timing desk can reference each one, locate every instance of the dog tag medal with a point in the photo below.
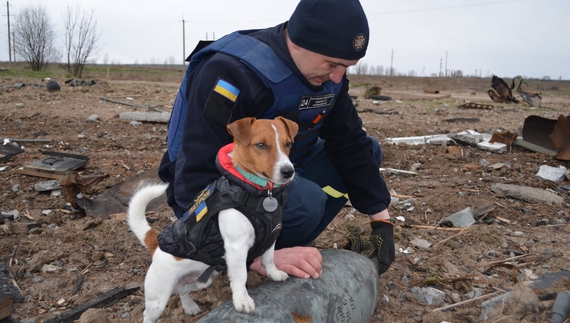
(270, 204)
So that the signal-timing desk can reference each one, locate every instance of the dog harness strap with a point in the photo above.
(206, 274)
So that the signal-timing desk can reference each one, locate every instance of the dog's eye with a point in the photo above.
(261, 146)
(288, 144)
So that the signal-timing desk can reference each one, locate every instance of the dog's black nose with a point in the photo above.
(287, 171)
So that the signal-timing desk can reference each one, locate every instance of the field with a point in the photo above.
(470, 265)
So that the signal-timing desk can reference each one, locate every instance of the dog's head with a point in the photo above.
(262, 147)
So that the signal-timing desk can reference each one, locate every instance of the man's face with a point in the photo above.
(318, 68)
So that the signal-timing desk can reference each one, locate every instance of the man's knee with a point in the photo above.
(302, 214)
(377, 150)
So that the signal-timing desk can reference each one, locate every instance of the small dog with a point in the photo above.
(260, 150)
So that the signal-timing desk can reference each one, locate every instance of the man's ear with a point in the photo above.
(241, 130)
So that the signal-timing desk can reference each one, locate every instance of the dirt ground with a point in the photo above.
(469, 265)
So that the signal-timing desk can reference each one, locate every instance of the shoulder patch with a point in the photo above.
(221, 102)
(227, 90)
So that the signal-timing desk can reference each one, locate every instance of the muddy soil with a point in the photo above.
(48, 259)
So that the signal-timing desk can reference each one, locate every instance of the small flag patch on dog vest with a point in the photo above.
(227, 90)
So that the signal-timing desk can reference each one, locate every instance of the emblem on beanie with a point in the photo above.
(359, 42)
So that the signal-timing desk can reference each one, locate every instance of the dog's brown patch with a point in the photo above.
(151, 241)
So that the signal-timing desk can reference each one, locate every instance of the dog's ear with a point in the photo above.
(241, 130)
(292, 127)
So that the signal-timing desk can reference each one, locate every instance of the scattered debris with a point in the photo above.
(561, 307)
(553, 174)
(533, 99)
(9, 149)
(461, 219)
(429, 295)
(47, 186)
(6, 305)
(369, 110)
(431, 90)
(528, 194)
(101, 301)
(501, 91)
(373, 93)
(398, 171)
(8, 283)
(161, 117)
(561, 137)
(421, 140)
(116, 199)
(18, 86)
(505, 137)
(73, 184)
(374, 90)
(548, 136)
(56, 165)
(479, 106)
(52, 86)
(469, 137)
(467, 120)
(75, 82)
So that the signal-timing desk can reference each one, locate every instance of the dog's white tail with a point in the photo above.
(137, 210)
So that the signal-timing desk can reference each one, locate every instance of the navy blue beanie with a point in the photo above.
(334, 28)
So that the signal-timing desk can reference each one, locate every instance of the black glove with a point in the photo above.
(379, 246)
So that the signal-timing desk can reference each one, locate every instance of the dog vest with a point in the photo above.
(197, 234)
(293, 99)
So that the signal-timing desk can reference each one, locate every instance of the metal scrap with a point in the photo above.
(532, 98)
(476, 106)
(505, 137)
(552, 136)
(561, 138)
(501, 92)
(73, 184)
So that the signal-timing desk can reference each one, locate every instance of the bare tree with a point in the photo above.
(34, 37)
(81, 38)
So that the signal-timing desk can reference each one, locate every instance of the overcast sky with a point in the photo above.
(483, 37)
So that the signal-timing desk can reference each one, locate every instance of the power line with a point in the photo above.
(441, 8)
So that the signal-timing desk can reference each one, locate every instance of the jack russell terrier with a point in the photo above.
(231, 222)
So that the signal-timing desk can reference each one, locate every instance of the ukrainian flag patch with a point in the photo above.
(227, 90)
(201, 211)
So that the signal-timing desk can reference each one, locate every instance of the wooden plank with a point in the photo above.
(6, 305)
(36, 173)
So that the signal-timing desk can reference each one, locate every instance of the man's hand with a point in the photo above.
(303, 262)
(383, 238)
(379, 245)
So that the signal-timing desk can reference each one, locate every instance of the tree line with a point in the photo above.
(35, 38)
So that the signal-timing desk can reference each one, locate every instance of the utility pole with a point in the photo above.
(445, 63)
(183, 41)
(440, 65)
(9, 40)
(391, 63)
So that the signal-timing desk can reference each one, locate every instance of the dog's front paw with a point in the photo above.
(189, 306)
(244, 304)
(277, 275)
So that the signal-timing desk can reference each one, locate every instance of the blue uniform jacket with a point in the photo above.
(208, 113)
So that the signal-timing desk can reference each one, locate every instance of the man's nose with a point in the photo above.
(337, 73)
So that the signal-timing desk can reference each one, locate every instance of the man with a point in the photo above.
(295, 70)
